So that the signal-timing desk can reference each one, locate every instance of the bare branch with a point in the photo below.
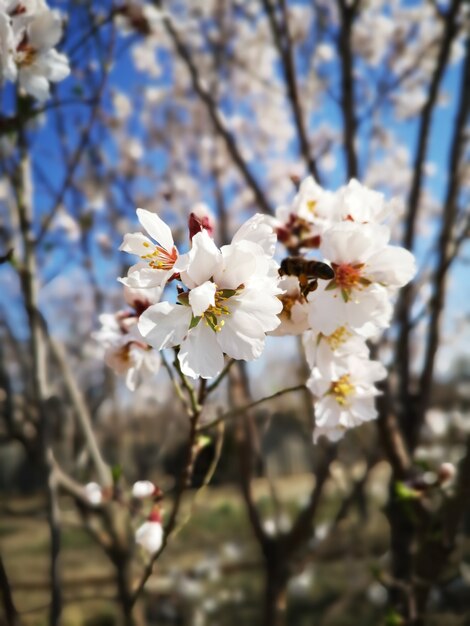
(284, 45)
(348, 107)
(81, 409)
(445, 236)
(10, 613)
(406, 297)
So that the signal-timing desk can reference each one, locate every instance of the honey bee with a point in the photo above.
(306, 271)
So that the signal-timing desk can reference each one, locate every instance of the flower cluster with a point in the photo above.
(29, 32)
(226, 298)
(336, 319)
(224, 301)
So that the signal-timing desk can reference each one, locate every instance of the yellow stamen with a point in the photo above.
(341, 389)
(338, 337)
(311, 204)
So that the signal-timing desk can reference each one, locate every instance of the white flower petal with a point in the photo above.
(57, 66)
(239, 264)
(393, 266)
(202, 297)
(165, 325)
(200, 353)
(136, 243)
(351, 243)
(204, 258)
(243, 337)
(258, 229)
(45, 30)
(37, 86)
(156, 228)
(143, 489)
(150, 536)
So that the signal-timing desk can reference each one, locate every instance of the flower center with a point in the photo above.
(219, 308)
(311, 204)
(160, 259)
(338, 337)
(341, 389)
(347, 276)
(288, 301)
(25, 53)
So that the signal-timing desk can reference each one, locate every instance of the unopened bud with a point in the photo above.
(150, 534)
(155, 515)
(446, 473)
(200, 218)
(93, 493)
(143, 489)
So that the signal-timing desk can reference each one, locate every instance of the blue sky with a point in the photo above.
(48, 154)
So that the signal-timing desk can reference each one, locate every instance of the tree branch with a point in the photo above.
(284, 45)
(214, 114)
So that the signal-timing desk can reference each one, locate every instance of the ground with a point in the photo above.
(211, 574)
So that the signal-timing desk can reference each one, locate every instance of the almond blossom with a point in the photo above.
(29, 32)
(347, 400)
(226, 305)
(328, 352)
(294, 314)
(158, 255)
(368, 271)
(125, 350)
(93, 493)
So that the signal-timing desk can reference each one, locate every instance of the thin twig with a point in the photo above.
(242, 409)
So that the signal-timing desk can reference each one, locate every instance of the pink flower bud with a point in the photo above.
(150, 534)
(155, 515)
(200, 218)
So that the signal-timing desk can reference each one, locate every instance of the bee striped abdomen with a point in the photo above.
(298, 266)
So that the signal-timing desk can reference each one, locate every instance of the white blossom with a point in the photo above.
(229, 305)
(367, 271)
(294, 314)
(328, 352)
(158, 257)
(348, 400)
(29, 32)
(125, 350)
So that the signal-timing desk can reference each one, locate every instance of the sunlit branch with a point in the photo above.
(197, 400)
(284, 45)
(29, 281)
(80, 408)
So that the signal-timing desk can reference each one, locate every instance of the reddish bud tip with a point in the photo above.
(200, 219)
(155, 515)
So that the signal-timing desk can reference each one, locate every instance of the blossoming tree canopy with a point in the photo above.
(225, 300)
